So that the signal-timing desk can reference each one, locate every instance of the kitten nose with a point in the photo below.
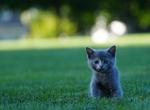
(98, 67)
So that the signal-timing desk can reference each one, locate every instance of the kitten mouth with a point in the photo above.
(99, 70)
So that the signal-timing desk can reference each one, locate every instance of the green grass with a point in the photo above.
(53, 75)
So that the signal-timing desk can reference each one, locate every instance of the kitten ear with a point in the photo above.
(89, 52)
(112, 50)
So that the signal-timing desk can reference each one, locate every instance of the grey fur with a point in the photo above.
(105, 81)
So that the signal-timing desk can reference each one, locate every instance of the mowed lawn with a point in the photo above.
(53, 75)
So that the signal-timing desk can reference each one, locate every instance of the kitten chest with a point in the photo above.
(102, 78)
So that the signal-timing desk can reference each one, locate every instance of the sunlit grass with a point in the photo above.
(127, 40)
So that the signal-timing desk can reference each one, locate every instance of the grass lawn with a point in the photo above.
(53, 74)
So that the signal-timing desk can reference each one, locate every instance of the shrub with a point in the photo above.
(45, 24)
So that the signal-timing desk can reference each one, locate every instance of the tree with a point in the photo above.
(135, 13)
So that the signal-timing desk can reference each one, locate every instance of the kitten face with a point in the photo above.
(101, 60)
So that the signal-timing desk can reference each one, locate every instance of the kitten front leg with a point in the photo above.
(117, 93)
(94, 90)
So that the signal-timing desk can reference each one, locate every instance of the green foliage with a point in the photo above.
(135, 13)
(58, 78)
(44, 25)
(49, 25)
(144, 19)
(67, 27)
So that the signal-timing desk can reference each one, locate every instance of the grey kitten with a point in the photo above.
(105, 81)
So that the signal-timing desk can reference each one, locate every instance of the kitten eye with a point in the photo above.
(96, 62)
(105, 61)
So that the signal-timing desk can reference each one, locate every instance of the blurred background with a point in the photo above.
(99, 19)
